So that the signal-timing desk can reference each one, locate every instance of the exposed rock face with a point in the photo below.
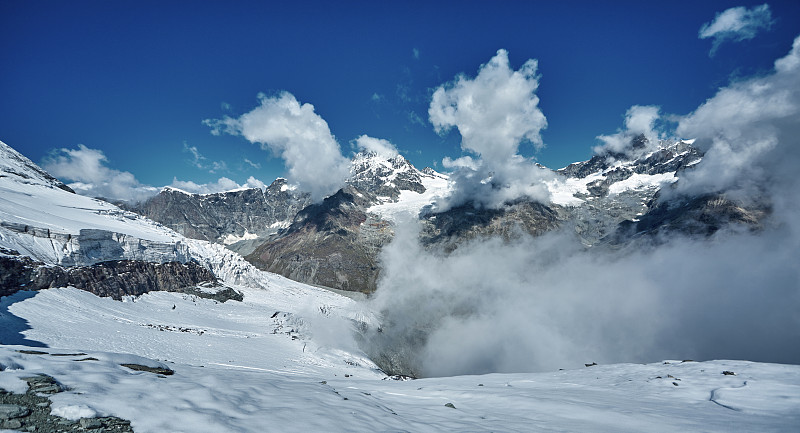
(448, 229)
(703, 216)
(327, 245)
(113, 279)
(225, 217)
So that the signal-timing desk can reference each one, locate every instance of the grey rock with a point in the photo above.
(213, 217)
(446, 230)
(115, 279)
(10, 411)
(11, 424)
(90, 423)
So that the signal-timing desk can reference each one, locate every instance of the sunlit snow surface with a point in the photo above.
(410, 203)
(239, 377)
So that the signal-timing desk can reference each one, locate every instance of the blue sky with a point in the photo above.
(136, 80)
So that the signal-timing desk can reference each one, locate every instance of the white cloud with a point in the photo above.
(495, 112)
(87, 169)
(736, 24)
(415, 53)
(255, 165)
(415, 119)
(199, 161)
(639, 120)
(380, 146)
(252, 182)
(377, 97)
(461, 162)
(197, 157)
(750, 131)
(298, 135)
(221, 185)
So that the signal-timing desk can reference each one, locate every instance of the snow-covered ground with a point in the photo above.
(239, 369)
(410, 203)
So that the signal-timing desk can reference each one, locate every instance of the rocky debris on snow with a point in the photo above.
(155, 370)
(223, 295)
(31, 412)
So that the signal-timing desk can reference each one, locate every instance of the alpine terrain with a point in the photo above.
(113, 321)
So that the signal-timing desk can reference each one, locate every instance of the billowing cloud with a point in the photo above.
(736, 24)
(639, 120)
(494, 112)
(89, 175)
(380, 146)
(750, 131)
(222, 184)
(298, 135)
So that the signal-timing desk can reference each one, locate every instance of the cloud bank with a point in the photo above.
(546, 303)
(89, 175)
(297, 134)
(495, 113)
(736, 24)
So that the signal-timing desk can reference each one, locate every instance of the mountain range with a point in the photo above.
(611, 199)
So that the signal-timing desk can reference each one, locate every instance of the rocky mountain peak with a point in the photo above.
(384, 177)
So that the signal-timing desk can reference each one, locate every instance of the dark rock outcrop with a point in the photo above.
(113, 279)
(448, 229)
(31, 411)
(703, 216)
